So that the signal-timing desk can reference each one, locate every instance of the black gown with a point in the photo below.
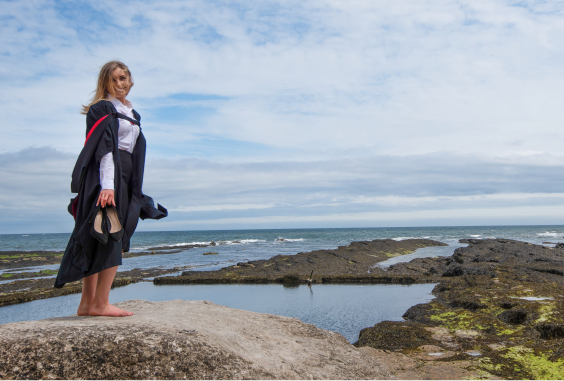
(84, 255)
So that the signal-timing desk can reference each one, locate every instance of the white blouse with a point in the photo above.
(127, 137)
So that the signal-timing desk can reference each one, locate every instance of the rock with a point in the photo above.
(211, 253)
(468, 303)
(550, 330)
(291, 279)
(337, 265)
(180, 339)
(393, 335)
(454, 270)
(467, 334)
(406, 367)
(421, 313)
(513, 316)
(433, 353)
(458, 270)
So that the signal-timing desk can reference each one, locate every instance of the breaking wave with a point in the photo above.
(549, 234)
(280, 239)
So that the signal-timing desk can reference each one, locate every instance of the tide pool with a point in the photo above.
(341, 308)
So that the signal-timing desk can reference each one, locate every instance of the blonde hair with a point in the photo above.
(105, 85)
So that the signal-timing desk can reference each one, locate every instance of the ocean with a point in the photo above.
(245, 245)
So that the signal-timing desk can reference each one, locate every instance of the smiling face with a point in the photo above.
(121, 84)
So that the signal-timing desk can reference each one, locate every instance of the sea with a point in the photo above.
(342, 308)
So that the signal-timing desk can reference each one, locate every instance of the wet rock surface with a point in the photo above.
(27, 274)
(499, 307)
(352, 263)
(20, 259)
(394, 335)
(180, 340)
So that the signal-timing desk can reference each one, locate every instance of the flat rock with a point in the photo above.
(180, 340)
(351, 263)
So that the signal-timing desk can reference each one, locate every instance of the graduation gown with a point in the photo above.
(85, 255)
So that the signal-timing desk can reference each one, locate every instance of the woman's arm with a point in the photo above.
(107, 180)
(106, 197)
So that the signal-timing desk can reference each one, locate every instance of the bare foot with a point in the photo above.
(83, 310)
(108, 310)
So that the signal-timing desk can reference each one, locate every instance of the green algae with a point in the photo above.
(21, 256)
(48, 272)
(506, 332)
(30, 274)
(16, 256)
(463, 320)
(398, 252)
(523, 362)
(546, 311)
(444, 317)
(30, 255)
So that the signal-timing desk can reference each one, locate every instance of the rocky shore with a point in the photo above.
(498, 312)
(352, 263)
(346, 261)
(499, 308)
(23, 290)
(18, 260)
(26, 286)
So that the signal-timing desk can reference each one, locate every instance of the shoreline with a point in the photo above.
(351, 263)
(22, 290)
(498, 311)
(27, 290)
(14, 259)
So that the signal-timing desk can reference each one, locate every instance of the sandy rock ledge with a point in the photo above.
(180, 340)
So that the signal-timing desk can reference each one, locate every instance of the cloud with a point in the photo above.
(294, 109)
(222, 207)
(376, 189)
(311, 75)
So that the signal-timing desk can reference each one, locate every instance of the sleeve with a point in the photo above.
(105, 146)
(107, 171)
(95, 113)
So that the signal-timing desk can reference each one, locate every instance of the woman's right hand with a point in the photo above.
(106, 198)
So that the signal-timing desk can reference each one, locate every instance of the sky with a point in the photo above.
(295, 114)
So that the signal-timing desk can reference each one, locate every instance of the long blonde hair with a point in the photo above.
(105, 85)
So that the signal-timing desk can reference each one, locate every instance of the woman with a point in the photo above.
(108, 177)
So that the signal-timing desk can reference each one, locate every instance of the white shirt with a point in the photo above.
(127, 137)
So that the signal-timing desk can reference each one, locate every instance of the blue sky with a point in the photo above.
(288, 114)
